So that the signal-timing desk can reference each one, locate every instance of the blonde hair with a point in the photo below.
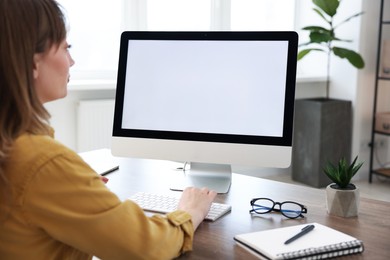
(27, 27)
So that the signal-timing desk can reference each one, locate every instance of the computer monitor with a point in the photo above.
(213, 99)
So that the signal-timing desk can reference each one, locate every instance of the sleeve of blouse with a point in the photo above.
(67, 200)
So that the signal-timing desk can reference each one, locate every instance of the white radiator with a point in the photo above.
(94, 124)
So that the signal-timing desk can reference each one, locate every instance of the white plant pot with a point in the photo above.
(343, 203)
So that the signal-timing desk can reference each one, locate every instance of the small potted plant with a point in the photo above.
(342, 196)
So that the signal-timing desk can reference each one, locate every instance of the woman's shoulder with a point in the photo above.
(31, 144)
(32, 151)
(34, 155)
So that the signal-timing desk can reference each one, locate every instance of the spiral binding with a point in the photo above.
(340, 249)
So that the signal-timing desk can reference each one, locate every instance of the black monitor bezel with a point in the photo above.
(285, 140)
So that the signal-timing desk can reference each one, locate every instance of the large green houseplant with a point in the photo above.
(342, 196)
(323, 126)
(323, 38)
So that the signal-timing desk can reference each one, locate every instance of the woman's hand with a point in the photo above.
(197, 203)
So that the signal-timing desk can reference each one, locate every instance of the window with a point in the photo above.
(94, 29)
(178, 15)
(263, 15)
(96, 25)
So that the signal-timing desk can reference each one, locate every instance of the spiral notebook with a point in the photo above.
(320, 243)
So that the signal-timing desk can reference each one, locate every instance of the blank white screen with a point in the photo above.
(228, 87)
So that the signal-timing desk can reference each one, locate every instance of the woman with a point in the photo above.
(52, 205)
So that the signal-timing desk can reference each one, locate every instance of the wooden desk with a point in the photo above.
(214, 240)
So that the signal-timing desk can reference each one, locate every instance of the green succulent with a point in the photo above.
(322, 39)
(342, 174)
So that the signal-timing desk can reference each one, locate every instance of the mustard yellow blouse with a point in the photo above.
(56, 207)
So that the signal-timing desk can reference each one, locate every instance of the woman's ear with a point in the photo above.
(36, 63)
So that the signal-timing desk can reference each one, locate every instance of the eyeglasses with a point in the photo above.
(289, 209)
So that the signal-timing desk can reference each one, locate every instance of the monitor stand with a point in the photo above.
(216, 177)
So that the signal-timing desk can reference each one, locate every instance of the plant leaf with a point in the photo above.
(318, 37)
(343, 173)
(328, 6)
(321, 14)
(353, 57)
(304, 52)
(316, 29)
(349, 18)
(330, 171)
(341, 40)
(355, 168)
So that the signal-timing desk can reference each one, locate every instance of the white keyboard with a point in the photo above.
(165, 204)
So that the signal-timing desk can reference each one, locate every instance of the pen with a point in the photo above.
(304, 231)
